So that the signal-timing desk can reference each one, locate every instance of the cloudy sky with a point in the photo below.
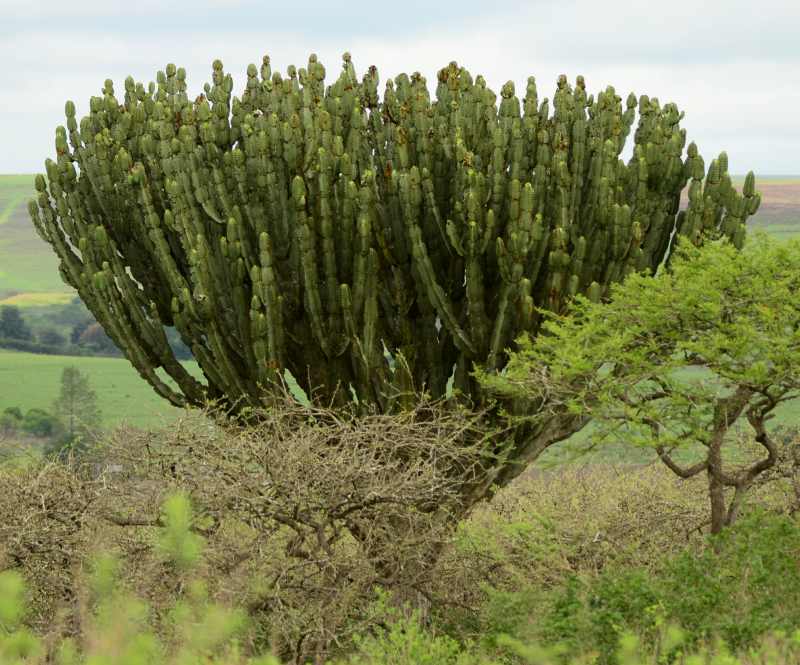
(732, 66)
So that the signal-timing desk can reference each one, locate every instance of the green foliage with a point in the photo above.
(17, 644)
(77, 401)
(676, 359)
(11, 601)
(745, 587)
(403, 641)
(560, 623)
(13, 411)
(40, 423)
(29, 346)
(50, 337)
(78, 415)
(182, 547)
(311, 227)
(118, 627)
(734, 314)
(742, 589)
(10, 420)
(12, 325)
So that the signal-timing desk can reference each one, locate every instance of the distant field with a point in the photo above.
(27, 264)
(37, 299)
(29, 380)
(779, 214)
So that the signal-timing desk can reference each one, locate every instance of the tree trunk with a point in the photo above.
(716, 493)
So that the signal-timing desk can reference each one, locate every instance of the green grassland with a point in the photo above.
(29, 380)
(27, 264)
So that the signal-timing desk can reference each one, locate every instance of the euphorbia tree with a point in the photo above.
(683, 358)
(375, 247)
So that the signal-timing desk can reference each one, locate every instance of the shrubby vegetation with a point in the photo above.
(65, 330)
(643, 587)
(328, 537)
(12, 326)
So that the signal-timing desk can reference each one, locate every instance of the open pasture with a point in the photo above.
(779, 214)
(27, 264)
(29, 380)
(34, 299)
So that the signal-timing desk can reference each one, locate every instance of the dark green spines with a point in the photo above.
(316, 228)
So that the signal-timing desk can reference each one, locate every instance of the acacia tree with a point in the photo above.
(375, 248)
(678, 359)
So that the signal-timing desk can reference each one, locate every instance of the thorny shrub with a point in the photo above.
(305, 513)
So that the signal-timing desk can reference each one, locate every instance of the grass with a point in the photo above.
(30, 380)
(10, 206)
(27, 264)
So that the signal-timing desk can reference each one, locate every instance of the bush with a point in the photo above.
(12, 325)
(403, 640)
(40, 423)
(51, 337)
(29, 346)
(10, 420)
(550, 527)
(745, 586)
(580, 555)
(94, 339)
(116, 629)
(576, 558)
(45, 534)
(303, 514)
(741, 589)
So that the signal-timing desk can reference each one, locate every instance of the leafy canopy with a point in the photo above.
(674, 358)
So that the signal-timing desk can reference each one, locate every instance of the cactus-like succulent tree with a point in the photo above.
(370, 246)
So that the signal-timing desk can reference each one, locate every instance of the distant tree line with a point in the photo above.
(66, 330)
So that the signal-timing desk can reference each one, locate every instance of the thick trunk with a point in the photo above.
(529, 444)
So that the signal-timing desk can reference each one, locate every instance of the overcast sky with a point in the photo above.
(733, 67)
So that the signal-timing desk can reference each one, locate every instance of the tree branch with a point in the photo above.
(678, 470)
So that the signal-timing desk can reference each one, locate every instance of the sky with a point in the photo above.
(732, 66)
